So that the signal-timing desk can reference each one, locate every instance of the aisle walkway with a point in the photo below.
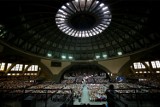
(85, 98)
(85, 95)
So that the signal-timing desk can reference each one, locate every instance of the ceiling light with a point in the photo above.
(119, 53)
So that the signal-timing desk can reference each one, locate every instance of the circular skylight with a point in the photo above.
(83, 18)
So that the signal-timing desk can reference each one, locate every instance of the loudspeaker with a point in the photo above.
(56, 64)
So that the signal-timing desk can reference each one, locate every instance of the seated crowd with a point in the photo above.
(72, 84)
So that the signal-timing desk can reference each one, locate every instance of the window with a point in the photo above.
(9, 65)
(17, 67)
(2, 66)
(139, 65)
(155, 64)
(33, 68)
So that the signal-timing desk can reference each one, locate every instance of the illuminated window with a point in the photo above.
(9, 65)
(157, 71)
(33, 68)
(135, 65)
(17, 67)
(155, 64)
(2, 66)
(138, 65)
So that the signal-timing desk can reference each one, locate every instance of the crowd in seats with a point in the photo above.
(15, 84)
(77, 77)
(20, 77)
(77, 89)
(101, 81)
(68, 81)
(150, 83)
(43, 91)
(59, 92)
(97, 92)
(150, 80)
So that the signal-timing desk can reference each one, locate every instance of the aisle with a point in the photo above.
(85, 98)
(85, 95)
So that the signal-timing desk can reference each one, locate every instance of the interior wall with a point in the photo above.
(114, 65)
(55, 70)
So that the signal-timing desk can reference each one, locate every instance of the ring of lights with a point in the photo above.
(83, 18)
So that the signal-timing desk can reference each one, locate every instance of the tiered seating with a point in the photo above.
(97, 92)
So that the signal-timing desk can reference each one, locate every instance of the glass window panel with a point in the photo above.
(33, 68)
(139, 65)
(153, 64)
(2, 66)
(158, 64)
(82, 4)
(36, 68)
(8, 65)
(135, 65)
(89, 2)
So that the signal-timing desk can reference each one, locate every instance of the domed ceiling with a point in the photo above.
(80, 29)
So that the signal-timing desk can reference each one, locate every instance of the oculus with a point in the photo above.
(83, 18)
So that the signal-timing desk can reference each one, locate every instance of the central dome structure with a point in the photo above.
(80, 30)
(83, 18)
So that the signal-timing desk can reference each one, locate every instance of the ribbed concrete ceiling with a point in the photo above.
(30, 26)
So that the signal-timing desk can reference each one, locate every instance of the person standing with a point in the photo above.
(110, 93)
